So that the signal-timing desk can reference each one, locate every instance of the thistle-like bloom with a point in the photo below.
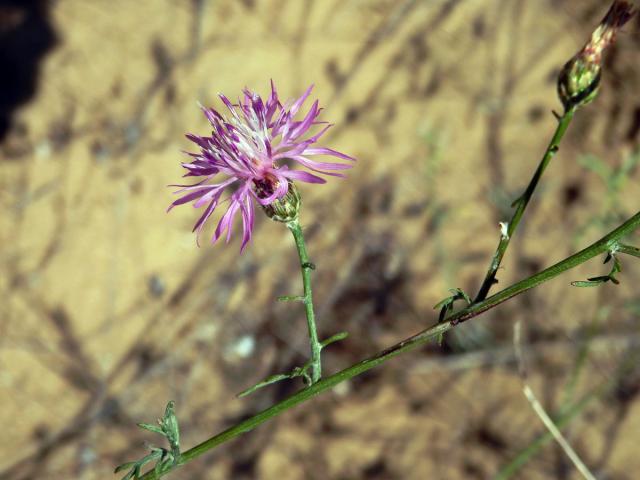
(248, 154)
(580, 78)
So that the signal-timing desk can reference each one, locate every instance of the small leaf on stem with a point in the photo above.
(151, 428)
(610, 277)
(302, 371)
(267, 381)
(168, 428)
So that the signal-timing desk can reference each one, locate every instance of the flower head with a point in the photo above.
(580, 77)
(248, 154)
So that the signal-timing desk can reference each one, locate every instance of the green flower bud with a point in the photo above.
(580, 77)
(578, 83)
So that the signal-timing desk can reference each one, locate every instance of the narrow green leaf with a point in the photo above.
(463, 296)
(152, 428)
(264, 383)
(443, 312)
(124, 466)
(443, 303)
(467, 298)
(600, 279)
(334, 338)
(516, 202)
(585, 284)
(617, 266)
(133, 473)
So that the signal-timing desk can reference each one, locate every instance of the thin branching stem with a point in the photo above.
(521, 204)
(600, 247)
(306, 266)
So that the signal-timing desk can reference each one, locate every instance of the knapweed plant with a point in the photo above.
(249, 149)
(258, 152)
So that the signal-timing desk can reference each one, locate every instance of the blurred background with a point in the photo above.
(108, 309)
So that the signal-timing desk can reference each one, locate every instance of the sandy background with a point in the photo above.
(108, 309)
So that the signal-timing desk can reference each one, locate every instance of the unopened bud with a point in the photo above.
(285, 209)
(578, 83)
(580, 77)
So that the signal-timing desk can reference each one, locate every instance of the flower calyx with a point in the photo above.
(286, 208)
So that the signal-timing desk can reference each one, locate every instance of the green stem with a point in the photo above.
(600, 247)
(306, 266)
(521, 204)
(629, 250)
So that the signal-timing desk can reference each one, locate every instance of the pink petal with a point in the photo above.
(327, 151)
(187, 198)
(298, 103)
(213, 195)
(226, 101)
(305, 124)
(226, 222)
(318, 166)
(201, 221)
(303, 176)
(247, 221)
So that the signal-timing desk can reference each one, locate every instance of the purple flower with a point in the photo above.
(246, 154)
